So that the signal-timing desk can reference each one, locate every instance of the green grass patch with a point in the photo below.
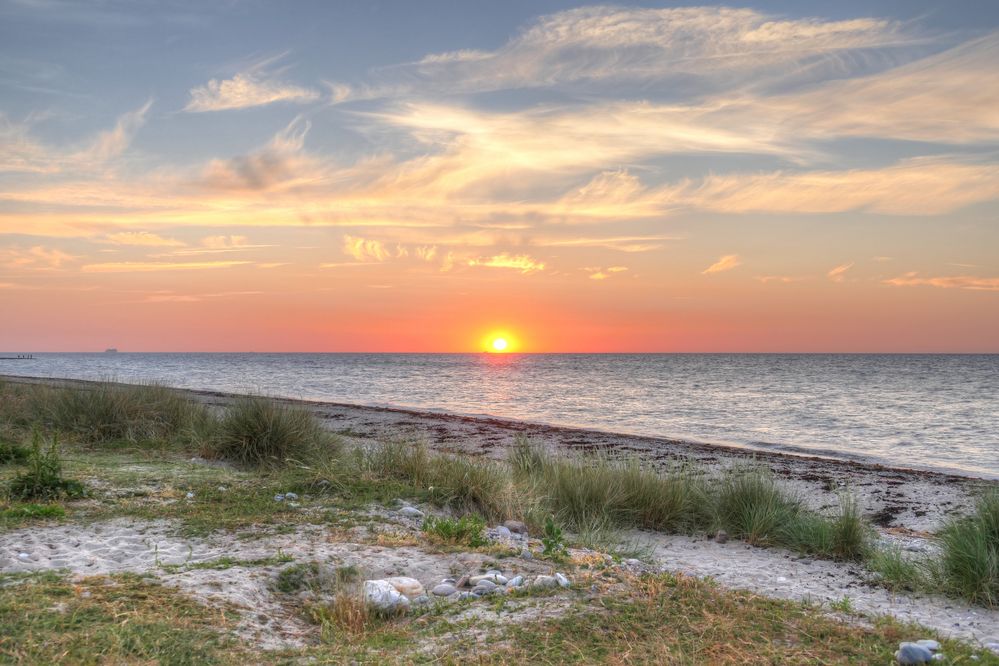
(467, 530)
(43, 478)
(13, 453)
(257, 432)
(115, 620)
(969, 562)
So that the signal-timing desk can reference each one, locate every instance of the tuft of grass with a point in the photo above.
(467, 530)
(842, 537)
(43, 477)
(109, 412)
(12, 453)
(313, 577)
(346, 617)
(969, 561)
(257, 432)
(897, 572)
(751, 506)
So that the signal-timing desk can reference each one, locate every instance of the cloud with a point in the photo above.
(34, 258)
(783, 279)
(604, 273)
(838, 274)
(519, 262)
(363, 249)
(141, 238)
(113, 142)
(225, 242)
(586, 47)
(946, 282)
(725, 263)
(618, 243)
(254, 87)
(153, 266)
(921, 186)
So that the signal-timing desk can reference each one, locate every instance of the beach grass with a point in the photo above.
(969, 563)
(257, 432)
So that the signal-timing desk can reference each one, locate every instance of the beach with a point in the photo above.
(906, 507)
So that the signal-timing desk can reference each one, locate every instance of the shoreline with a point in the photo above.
(911, 500)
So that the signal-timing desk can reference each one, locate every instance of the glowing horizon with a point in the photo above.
(578, 178)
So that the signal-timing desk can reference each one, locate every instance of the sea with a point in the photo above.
(927, 411)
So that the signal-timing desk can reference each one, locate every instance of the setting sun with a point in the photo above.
(499, 344)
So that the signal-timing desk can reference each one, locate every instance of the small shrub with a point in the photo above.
(969, 562)
(257, 432)
(467, 530)
(12, 453)
(43, 478)
(553, 541)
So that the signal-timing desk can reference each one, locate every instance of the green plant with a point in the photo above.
(897, 572)
(467, 530)
(969, 561)
(553, 541)
(313, 577)
(12, 453)
(256, 432)
(844, 605)
(43, 477)
(107, 412)
(751, 506)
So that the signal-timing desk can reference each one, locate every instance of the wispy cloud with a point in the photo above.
(519, 262)
(34, 258)
(154, 266)
(604, 273)
(946, 282)
(141, 238)
(256, 86)
(838, 274)
(725, 263)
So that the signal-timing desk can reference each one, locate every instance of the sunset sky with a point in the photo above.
(418, 176)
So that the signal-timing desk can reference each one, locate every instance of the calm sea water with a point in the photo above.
(928, 411)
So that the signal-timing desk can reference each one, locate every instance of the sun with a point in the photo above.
(499, 344)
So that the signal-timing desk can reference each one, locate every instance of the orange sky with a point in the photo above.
(709, 179)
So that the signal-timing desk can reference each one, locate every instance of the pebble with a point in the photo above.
(913, 653)
(279, 498)
(291, 496)
(929, 644)
(525, 554)
(449, 581)
(462, 582)
(444, 590)
(466, 595)
(484, 584)
(405, 585)
(190, 495)
(721, 536)
(545, 581)
(493, 579)
(24, 557)
(993, 646)
(421, 600)
(382, 595)
(516, 581)
(411, 512)
(503, 531)
(515, 526)
(222, 489)
(562, 580)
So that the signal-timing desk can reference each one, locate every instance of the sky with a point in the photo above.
(425, 176)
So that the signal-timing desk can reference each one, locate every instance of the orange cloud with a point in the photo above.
(946, 282)
(725, 263)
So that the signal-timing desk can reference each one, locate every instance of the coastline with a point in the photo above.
(897, 498)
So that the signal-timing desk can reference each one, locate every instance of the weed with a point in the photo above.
(43, 477)
(553, 541)
(12, 453)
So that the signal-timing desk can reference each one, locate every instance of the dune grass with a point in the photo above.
(257, 432)
(969, 562)
(108, 412)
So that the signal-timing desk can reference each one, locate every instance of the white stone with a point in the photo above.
(444, 590)
(411, 512)
(382, 595)
(406, 585)
(495, 579)
(544, 582)
(516, 581)
(503, 531)
(562, 580)
(929, 644)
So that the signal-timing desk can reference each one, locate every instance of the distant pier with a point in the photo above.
(18, 357)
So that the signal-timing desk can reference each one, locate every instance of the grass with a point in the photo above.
(467, 530)
(314, 577)
(108, 412)
(115, 620)
(969, 562)
(22, 514)
(897, 572)
(43, 478)
(257, 432)
(675, 619)
(12, 453)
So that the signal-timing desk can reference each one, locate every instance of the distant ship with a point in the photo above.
(110, 350)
